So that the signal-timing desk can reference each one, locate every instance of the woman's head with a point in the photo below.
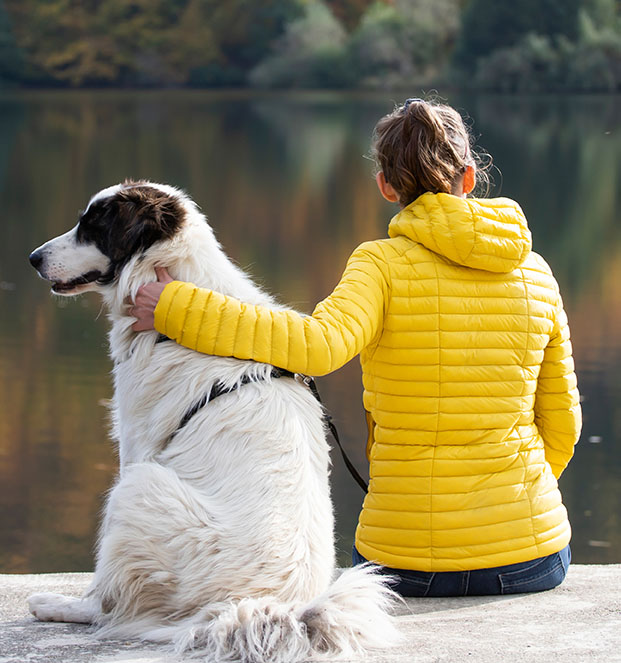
(423, 146)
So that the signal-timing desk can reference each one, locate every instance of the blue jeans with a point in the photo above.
(535, 575)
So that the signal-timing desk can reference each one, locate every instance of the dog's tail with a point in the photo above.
(350, 617)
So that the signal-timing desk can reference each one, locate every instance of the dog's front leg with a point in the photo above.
(47, 607)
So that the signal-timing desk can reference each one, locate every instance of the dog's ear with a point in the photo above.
(144, 216)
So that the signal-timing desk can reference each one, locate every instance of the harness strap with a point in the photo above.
(219, 390)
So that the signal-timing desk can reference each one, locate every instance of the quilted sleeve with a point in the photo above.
(557, 404)
(339, 328)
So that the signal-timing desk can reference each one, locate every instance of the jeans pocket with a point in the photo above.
(541, 574)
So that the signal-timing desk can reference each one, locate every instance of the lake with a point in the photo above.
(284, 182)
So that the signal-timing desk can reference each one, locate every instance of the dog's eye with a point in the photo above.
(92, 221)
(89, 225)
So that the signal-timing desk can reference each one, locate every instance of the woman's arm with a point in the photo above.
(339, 328)
(557, 404)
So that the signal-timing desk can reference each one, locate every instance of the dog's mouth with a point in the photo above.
(75, 285)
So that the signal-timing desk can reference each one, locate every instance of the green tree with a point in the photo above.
(540, 63)
(11, 56)
(245, 31)
(145, 42)
(78, 42)
(603, 13)
(403, 41)
(311, 53)
(488, 25)
(349, 12)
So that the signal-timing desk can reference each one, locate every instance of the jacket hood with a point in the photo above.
(483, 233)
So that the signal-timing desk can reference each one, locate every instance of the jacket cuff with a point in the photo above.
(170, 309)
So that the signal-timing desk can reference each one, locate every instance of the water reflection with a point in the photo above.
(284, 183)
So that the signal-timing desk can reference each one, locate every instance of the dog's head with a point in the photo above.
(119, 223)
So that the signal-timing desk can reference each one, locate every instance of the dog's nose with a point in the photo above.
(36, 258)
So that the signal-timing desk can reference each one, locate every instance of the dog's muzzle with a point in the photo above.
(60, 287)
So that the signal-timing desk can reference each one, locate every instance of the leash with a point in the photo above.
(310, 383)
(219, 390)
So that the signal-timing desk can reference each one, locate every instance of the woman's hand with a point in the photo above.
(146, 300)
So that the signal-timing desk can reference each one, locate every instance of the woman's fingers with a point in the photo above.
(143, 306)
(162, 275)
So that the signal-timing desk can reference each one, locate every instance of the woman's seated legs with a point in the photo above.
(535, 575)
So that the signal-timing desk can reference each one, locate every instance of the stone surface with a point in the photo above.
(578, 622)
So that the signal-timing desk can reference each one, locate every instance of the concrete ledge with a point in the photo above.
(579, 621)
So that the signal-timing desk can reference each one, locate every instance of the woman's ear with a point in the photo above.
(470, 179)
(386, 189)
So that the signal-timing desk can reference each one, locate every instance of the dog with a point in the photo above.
(217, 535)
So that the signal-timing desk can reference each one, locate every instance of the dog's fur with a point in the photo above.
(218, 537)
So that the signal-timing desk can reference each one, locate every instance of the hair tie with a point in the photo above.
(411, 100)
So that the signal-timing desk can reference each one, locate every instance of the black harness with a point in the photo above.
(220, 390)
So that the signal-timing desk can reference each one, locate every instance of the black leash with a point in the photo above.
(310, 383)
(219, 390)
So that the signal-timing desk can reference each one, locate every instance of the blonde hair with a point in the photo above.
(423, 146)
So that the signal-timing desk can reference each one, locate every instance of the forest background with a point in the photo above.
(509, 46)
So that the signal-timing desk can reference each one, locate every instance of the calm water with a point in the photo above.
(283, 181)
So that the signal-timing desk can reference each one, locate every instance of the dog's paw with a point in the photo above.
(47, 607)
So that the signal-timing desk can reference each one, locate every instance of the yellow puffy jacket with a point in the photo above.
(468, 378)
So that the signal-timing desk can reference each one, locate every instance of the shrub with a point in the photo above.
(403, 41)
(311, 53)
(539, 63)
(491, 25)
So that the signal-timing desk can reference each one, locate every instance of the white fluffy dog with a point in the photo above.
(218, 534)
